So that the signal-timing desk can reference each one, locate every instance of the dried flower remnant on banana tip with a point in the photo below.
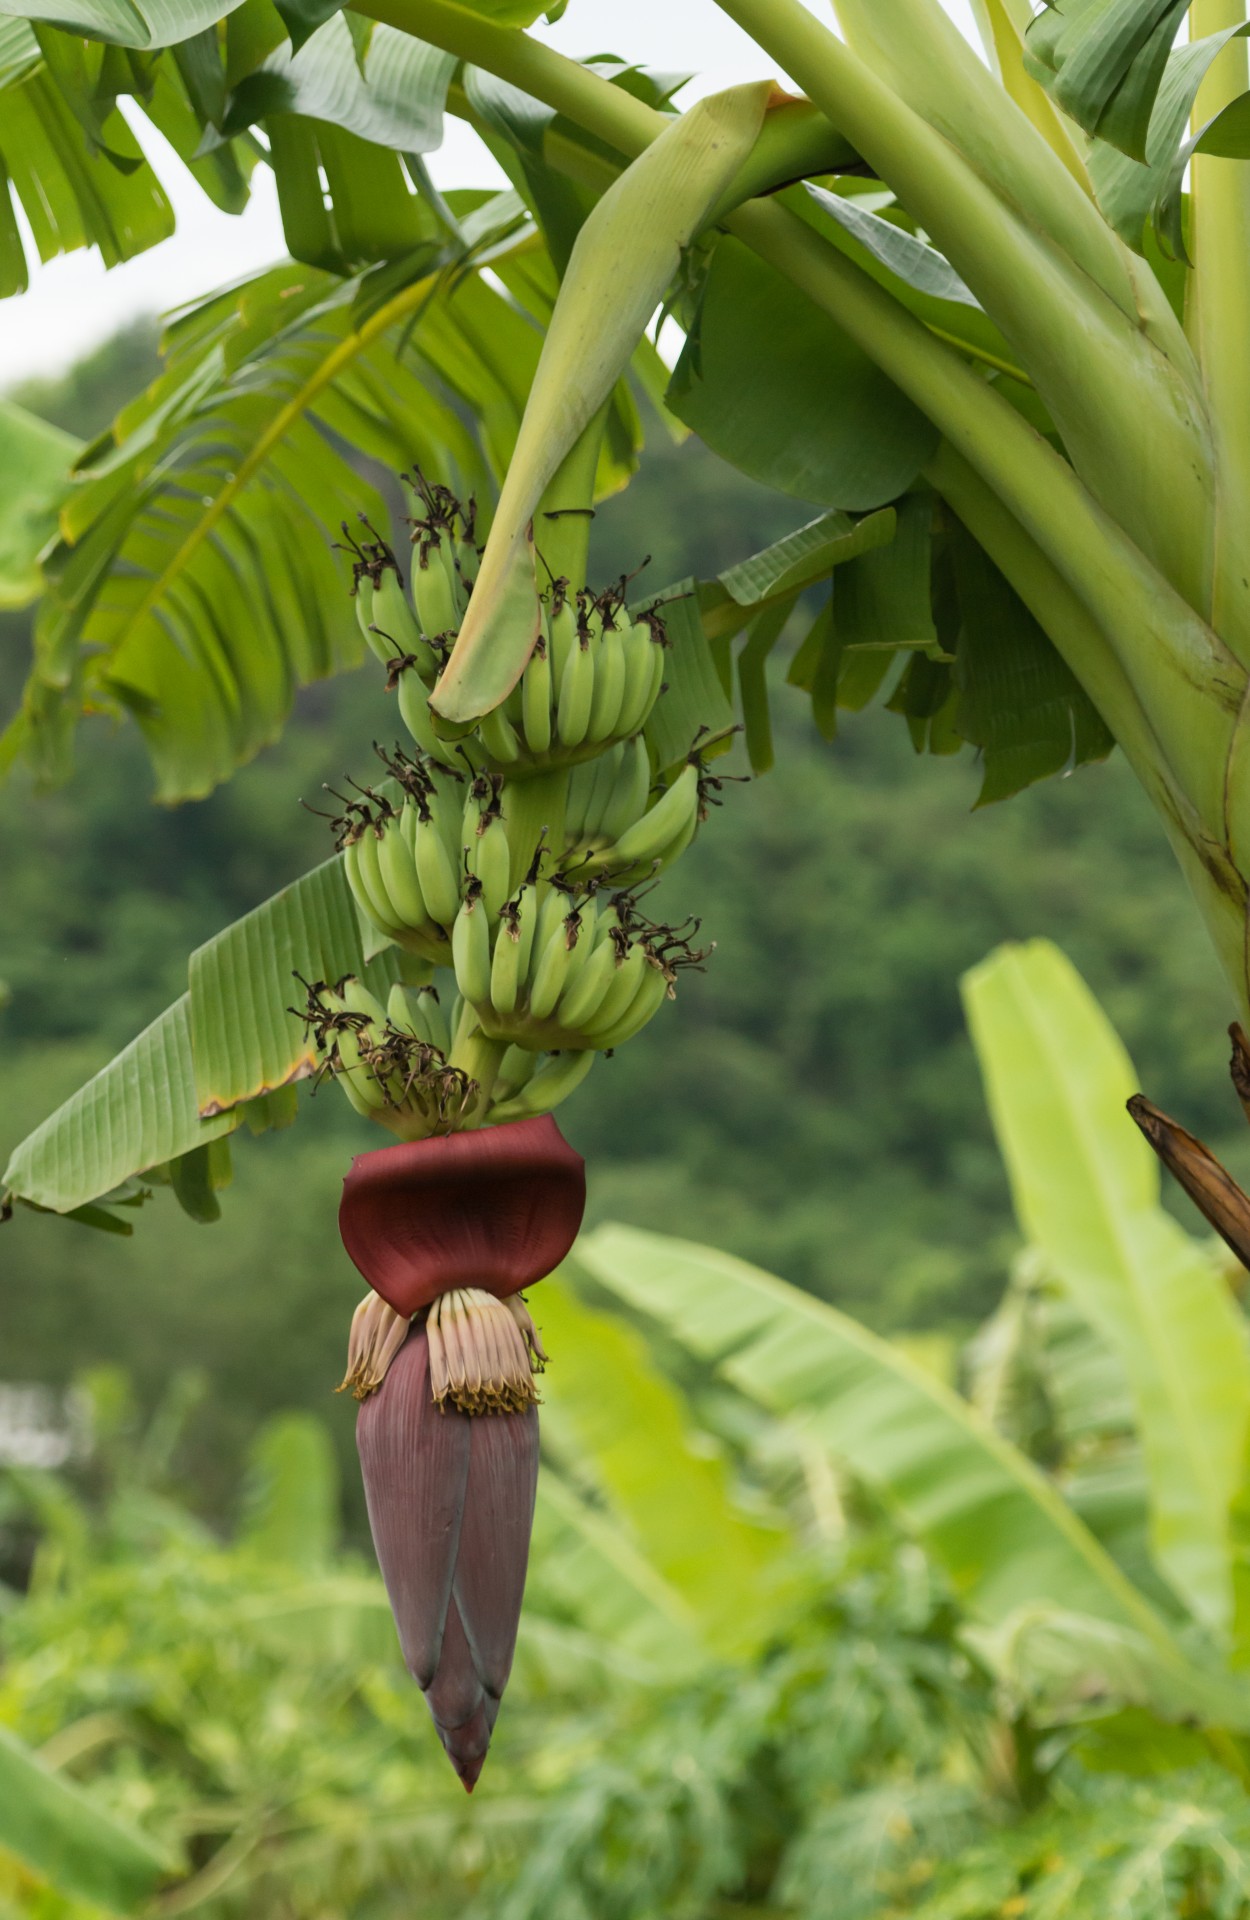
(484, 1352)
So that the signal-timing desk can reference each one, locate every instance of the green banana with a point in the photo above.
(374, 639)
(515, 1069)
(582, 926)
(393, 617)
(583, 996)
(498, 735)
(607, 767)
(639, 673)
(605, 707)
(470, 948)
(649, 837)
(434, 590)
(647, 1001)
(436, 1025)
(553, 1082)
(403, 1010)
(368, 867)
(621, 989)
(363, 1081)
(399, 876)
(357, 998)
(577, 692)
(550, 968)
(536, 699)
(414, 711)
(562, 632)
(526, 906)
(436, 873)
(505, 968)
(490, 856)
(581, 785)
(628, 799)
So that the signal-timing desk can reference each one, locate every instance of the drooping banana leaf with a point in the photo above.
(991, 1520)
(34, 456)
(65, 1835)
(674, 1502)
(633, 240)
(1086, 1190)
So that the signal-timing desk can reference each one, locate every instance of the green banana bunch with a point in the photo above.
(543, 1089)
(385, 1060)
(654, 839)
(592, 680)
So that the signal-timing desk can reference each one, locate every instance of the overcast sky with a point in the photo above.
(73, 303)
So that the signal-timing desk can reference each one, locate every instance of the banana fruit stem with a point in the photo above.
(563, 518)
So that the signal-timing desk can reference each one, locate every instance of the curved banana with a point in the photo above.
(498, 735)
(375, 640)
(505, 967)
(394, 620)
(368, 867)
(636, 701)
(605, 706)
(434, 589)
(518, 1065)
(583, 995)
(562, 639)
(436, 874)
(553, 1082)
(536, 699)
(358, 998)
(622, 987)
(470, 948)
(649, 837)
(628, 799)
(550, 969)
(413, 697)
(490, 858)
(607, 767)
(647, 1001)
(399, 876)
(577, 692)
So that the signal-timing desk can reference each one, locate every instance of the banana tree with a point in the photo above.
(967, 308)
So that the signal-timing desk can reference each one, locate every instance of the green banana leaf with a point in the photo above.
(35, 459)
(291, 1494)
(1104, 64)
(1001, 1532)
(125, 23)
(63, 1834)
(584, 1568)
(231, 1038)
(612, 1413)
(1086, 1191)
(632, 241)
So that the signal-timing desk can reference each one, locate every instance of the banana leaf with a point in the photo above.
(64, 1835)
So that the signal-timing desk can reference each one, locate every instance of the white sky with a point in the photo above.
(73, 303)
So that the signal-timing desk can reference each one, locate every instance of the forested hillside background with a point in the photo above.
(825, 1120)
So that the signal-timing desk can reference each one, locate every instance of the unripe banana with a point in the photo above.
(438, 1029)
(607, 767)
(605, 706)
(437, 876)
(505, 967)
(370, 1095)
(357, 998)
(622, 987)
(376, 641)
(581, 785)
(433, 590)
(515, 1069)
(470, 949)
(647, 1001)
(399, 876)
(582, 997)
(650, 837)
(562, 639)
(526, 910)
(553, 1082)
(536, 699)
(490, 859)
(394, 618)
(577, 691)
(639, 673)
(583, 928)
(373, 887)
(628, 800)
(414, 711)
(550, 967)
(404, 1011)
(498, 735)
